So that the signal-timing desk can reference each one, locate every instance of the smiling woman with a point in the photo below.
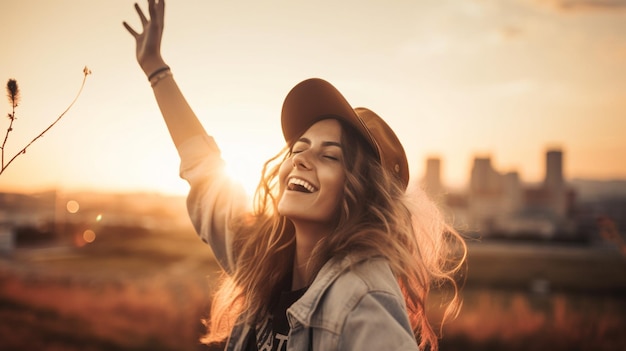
(335, 253)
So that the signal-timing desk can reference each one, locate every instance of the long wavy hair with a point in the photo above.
(377, 218)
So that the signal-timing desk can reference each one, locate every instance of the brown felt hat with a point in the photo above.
(314, 99)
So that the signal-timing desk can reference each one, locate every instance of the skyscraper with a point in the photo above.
(432, 179)
(554, 182)
(554, 169)
(484, 178)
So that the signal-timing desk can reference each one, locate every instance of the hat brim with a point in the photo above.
(312, 100)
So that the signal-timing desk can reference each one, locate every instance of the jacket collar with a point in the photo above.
(303, 309)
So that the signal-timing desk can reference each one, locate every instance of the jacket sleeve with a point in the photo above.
(377, 322)
(214, 199)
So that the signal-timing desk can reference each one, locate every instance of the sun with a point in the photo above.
(244, 173)
(244, 162)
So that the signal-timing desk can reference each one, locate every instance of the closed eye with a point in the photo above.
(299, 146)
(297, 150)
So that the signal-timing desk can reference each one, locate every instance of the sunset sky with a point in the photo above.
(455, 78)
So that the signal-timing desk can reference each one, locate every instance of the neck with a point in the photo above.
(307, 236)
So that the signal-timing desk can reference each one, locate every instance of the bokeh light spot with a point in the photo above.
(72, 206)
(89, 236)
(99, 217)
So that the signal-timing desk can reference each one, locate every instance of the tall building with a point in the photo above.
(554, 183)
(554, 169)
(513, 193)
(484, 179)
(432, 179)
(485, 196)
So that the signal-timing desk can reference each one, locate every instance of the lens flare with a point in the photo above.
(72, 206)
(89, 236)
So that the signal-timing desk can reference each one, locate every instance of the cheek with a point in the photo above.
(338, 189)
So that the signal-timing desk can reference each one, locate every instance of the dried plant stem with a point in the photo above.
(6, 136)
(86, 72)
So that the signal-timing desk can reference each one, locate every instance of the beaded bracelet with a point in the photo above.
(154, 74)
(155, 80)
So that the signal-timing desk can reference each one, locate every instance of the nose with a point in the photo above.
(301, 161)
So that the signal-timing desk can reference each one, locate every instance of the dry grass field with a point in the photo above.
(148, 290)
(541, 297)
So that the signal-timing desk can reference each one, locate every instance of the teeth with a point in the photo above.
(303, 183)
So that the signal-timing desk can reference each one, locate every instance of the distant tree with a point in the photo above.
(13, 94)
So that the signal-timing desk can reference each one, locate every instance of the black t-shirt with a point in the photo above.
(271, 334)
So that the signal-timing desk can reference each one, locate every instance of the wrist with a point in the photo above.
(152, 66)
(160, 73)
(163, 69)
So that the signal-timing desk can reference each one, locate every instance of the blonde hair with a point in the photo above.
(377, 217)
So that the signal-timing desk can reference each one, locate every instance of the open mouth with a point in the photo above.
(300, 185)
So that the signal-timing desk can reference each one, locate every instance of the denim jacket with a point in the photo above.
(352, 304)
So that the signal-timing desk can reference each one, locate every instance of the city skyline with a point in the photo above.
(433, 172)
(552, 172)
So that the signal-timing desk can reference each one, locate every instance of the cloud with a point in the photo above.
(568, 6)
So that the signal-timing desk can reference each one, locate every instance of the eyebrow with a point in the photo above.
(324, 144)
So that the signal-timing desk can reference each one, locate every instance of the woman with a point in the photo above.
(336, 253)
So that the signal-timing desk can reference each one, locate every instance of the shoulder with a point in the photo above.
(361, 308)
(367, 276)
(360, 289)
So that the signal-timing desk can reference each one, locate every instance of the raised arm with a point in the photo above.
(213, 200)
(181, 121)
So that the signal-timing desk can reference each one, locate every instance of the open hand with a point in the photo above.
(149, 40)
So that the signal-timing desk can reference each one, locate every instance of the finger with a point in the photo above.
(141, 15)
(152, 9)
(161, 10)
(131, 30)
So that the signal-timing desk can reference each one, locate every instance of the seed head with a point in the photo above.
(13, 92)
